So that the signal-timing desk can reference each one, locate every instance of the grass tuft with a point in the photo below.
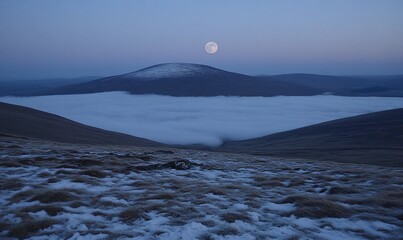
(132, 214)
(26, 229)
(232, 217)
(317, 207)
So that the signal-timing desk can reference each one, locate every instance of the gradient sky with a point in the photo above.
(71, 38)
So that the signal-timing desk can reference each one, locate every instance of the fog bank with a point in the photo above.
(202, 120)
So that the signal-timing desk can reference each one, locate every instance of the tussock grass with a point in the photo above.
(10, 184)
(85, 179)
(53, 180)
(22, 195)
(317, 207)
(296, 182)
(232, 217)
(62, 171)
(51, 210)
(77, 204)
(132, 214)
(163, 196)
(50, 196)
(227, 231)
(342, 190)
(94, 173)
(10, 164)
(217, 191)
(26, 229)
(87, 162)
(156, 206)
(45, 196)
(44, 175)
(389, 199)
(208, 223)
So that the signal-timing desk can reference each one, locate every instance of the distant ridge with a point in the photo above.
(382, 86)
(374, 138)
(30, 123)
(198, 80)
(186, 79)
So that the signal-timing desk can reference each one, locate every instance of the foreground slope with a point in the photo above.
(69, 191)
(375, 138)
(27, 122)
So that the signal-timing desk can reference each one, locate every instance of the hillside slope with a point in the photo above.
(27, 122)
(375, 138)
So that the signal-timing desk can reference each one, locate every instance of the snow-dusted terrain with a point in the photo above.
(169, 70)
(63, 191)
(202, 120)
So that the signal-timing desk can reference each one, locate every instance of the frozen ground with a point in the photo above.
(62, 191)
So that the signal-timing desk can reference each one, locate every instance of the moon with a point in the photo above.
(211, 47)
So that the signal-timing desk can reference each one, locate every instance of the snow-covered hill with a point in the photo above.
(172, 70)
(186, 79)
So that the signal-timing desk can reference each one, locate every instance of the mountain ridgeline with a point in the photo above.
(185, 79)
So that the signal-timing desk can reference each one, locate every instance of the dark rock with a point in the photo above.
(164, 152)
(177, 164)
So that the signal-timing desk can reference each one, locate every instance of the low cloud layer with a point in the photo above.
(202, 120)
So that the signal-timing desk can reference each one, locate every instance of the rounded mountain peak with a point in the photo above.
(170, 70)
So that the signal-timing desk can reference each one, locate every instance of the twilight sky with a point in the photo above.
(72, 38)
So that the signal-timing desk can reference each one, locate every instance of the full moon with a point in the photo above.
(211, 47)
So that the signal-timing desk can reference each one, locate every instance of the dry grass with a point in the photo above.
(26, 229)
(87, 163)
(93, 173)
(51, 210)
(10, 164)
(163, 196)
(389, 199)
(10, 184)
(232, 217)
(49, 196)
(317, 207)
(85, 179)
(22, 195)
(77, 204)
(227, 231)
(53, 180)
(296, 182)
(132, 214)
(186, 197)
(62, 171)
(342, 190)
(264, 181)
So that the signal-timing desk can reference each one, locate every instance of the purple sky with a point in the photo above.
(71, 38)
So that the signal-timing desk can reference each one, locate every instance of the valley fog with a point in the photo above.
(202, 120)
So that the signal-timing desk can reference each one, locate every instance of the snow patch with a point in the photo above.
(170, 70)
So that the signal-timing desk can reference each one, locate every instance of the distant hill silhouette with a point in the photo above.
(383, 86)
(186, 79)
(28, 87)
(375, 138)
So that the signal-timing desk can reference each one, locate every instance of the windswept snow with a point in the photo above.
(68, 191)
(169, 70)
